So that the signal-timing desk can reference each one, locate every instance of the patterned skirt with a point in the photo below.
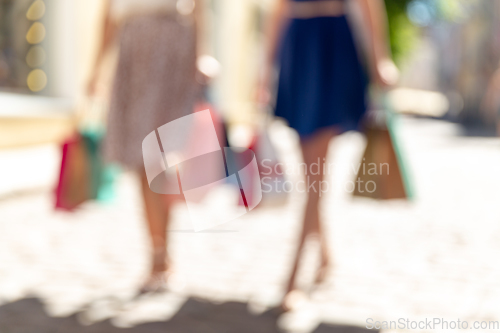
(154, 84)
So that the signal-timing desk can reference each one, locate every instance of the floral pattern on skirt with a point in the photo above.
(154, 84)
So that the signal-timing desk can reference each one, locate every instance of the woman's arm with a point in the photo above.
(108, 36)
(200, 24)
(383, 68)
(490, 99)
(273, 33)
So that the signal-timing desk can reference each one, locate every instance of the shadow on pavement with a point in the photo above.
(479, 131)
(332, 328)
(28, 315)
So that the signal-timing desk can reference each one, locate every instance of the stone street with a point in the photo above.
(433, 257)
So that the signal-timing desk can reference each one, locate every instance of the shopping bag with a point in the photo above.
(383, 173)
(272, 178)
(217, 121)
(236, 159)
(74, 185)
(83, 175)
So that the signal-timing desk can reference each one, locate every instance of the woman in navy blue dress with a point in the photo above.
(322, 88)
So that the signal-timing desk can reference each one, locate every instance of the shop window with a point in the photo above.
(22, 52)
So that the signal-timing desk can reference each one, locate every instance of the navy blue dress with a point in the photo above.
(322, 82)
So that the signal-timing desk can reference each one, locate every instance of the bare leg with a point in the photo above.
(314, 149)
(157, 208)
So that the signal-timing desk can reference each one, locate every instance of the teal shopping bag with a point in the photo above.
(392, 121)
(102, 176)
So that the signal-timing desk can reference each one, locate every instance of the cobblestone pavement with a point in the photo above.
(434, 257)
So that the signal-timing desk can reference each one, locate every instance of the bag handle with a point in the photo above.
(90, 115)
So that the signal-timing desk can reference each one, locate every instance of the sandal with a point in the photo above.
(156, 283)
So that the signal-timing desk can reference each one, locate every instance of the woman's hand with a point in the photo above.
(386, 72)
(91, 88)
(262, 92)
(490, 101)
(207, 69)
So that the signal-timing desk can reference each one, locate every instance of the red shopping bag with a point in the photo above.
(74, 185)
(217, 120)
(213, 163)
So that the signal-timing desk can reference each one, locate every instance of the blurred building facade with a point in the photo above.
(47, 48)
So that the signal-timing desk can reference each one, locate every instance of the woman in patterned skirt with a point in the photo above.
(154, 84)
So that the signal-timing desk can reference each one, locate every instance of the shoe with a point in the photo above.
(156, 283)
(293, 300)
